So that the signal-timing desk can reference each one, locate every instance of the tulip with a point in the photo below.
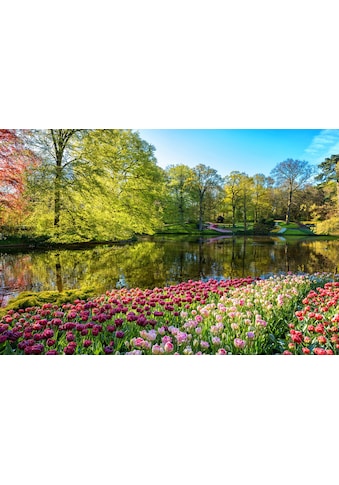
(239, 343)
(168, 347)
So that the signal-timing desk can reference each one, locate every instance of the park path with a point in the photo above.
(214, 227)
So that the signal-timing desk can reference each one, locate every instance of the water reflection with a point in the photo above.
(162, 262)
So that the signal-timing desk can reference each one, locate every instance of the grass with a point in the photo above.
(189, 228)
(19, 240)
(283, 229)
(291, 229)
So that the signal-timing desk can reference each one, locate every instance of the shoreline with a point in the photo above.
(45, 246)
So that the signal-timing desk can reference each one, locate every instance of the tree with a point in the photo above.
(330, 172)
(292, 175)
(246, 191)
(179, 200)
(59, 150)
(128, 193)
(311, 203)
(204, 180)
(15, 160)
(261, 196)
(233, 192)
(94, 184)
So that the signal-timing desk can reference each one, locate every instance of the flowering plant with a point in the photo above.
(315, 327)
(238, 316)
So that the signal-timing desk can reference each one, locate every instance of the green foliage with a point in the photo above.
(205, 183)
(330, 173)
(329, 169)
(329, 226)
(179, 203)
(192, 194)
(28, 299)
(263, 227)
(104, 185)
(291, 175)
(189, 228)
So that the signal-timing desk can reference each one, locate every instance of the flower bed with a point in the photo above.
(239, 316)
(315, 329)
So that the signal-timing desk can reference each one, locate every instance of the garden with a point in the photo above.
(281, 314)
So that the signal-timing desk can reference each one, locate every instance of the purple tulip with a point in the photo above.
(108, 349)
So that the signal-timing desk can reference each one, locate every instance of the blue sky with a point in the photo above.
(246, 150)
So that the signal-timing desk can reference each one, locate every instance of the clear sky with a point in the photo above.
(246, 150)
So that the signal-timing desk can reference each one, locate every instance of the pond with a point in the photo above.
(161, 262)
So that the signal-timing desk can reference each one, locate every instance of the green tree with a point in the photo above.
(204, 180)
(330, 173)
(291, 175)
(233, 192)
(246, 191)
(130, 187)
(54, 179)
(178, 204)
(94, 185)
(262, 194)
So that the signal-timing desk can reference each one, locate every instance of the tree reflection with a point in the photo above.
(58, 273)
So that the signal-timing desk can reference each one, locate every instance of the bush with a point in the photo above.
(28, 299)
(328, 227)
(263, 227)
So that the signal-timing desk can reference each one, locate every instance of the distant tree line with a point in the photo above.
(80, 185)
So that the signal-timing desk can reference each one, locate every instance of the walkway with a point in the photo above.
(214, 227)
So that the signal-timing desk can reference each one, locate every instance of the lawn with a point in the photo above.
(291, 229)
(180, 229)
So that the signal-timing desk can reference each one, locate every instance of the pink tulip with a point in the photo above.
(168, 347)
(240, 344)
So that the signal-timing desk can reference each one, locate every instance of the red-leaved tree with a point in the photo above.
(15, 160)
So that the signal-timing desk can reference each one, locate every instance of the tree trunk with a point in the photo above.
(60, 141)
(181, 209)
(245, 215)
(289, 206)
(58, 272)
(233, 215)
(57, 197)
(201, 211)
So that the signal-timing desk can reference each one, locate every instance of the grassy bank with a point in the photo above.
(25, 242)
(291, 229)
(185, 229)
(281, 228)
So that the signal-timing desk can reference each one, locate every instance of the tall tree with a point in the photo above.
(204, 180)
(233, 192)
(311, 203)
(179, 201)
(261, 196)
(94, 184)
(59, 150)
(15, 160)
(130, 185)
(246, 191)
(330, 172)
(292, 175)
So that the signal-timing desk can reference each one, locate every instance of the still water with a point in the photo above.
(156, 263)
